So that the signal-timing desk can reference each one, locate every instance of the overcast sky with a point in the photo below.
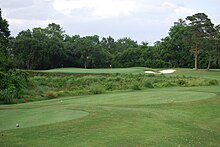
(141, 20)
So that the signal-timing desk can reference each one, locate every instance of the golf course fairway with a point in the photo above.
(186, 116)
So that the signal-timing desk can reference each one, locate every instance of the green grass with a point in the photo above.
(54, 86)
(212, 74)
(95, 71)
(189, 116)
(26, 117)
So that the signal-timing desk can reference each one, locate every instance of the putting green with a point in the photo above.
(36, 117)
(95, 71)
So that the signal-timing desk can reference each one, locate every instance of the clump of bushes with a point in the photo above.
(148, 84)
(96, 89)
(213, 82)
(13, 82)
(135, 86)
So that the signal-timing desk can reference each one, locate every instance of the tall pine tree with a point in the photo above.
(4, 44)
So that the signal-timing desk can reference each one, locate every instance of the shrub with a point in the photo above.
(109, 86)
(150, 75)
(135, 87)
(51, 95)
(12, 84)
(167, 84)
(96, 89)
(148, 84)
(8, 97)
(181, 82)
(213, 82)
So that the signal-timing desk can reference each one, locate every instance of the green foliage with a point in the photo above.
(12, 85)
(135, 86)
(51, 95)
(12, 82)
(6, 60)
(213, 82)
(96, 89)
(8, 96)
(181, 82)
(39, 48)
(148, 84)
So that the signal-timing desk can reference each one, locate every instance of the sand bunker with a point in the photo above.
(150, 72)
(167, 71)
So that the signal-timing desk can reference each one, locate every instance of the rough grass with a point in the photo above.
(172, 116)
(49, 87)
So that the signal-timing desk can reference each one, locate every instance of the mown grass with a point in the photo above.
(170, 116)
(96, 71)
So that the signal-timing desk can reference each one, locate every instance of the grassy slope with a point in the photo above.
(154, 117)
(95, 71)
(213, 74)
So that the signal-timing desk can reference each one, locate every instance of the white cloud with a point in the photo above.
(95, 8)
(15, 3)
(139, 19)
(17, 25)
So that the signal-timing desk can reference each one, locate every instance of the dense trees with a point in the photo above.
(191, 42)
(43, 48)
(200, 33)
(5, 60)
(40, 48)
(11, 81)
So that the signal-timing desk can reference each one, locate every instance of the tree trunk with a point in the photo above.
(196, 61)
(209, 64)
(28, 63)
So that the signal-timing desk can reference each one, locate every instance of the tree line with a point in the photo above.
(193, 42)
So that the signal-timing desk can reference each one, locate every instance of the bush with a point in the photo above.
(12, 85)
(109, 86)
(213, 82)
(148, 84)
(135, 87)
(51, 95)
(8, 96)
(181, 82)
(167, 84)
(96, 89)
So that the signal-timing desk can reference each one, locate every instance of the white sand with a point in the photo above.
(168, 71)
(150, 72)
